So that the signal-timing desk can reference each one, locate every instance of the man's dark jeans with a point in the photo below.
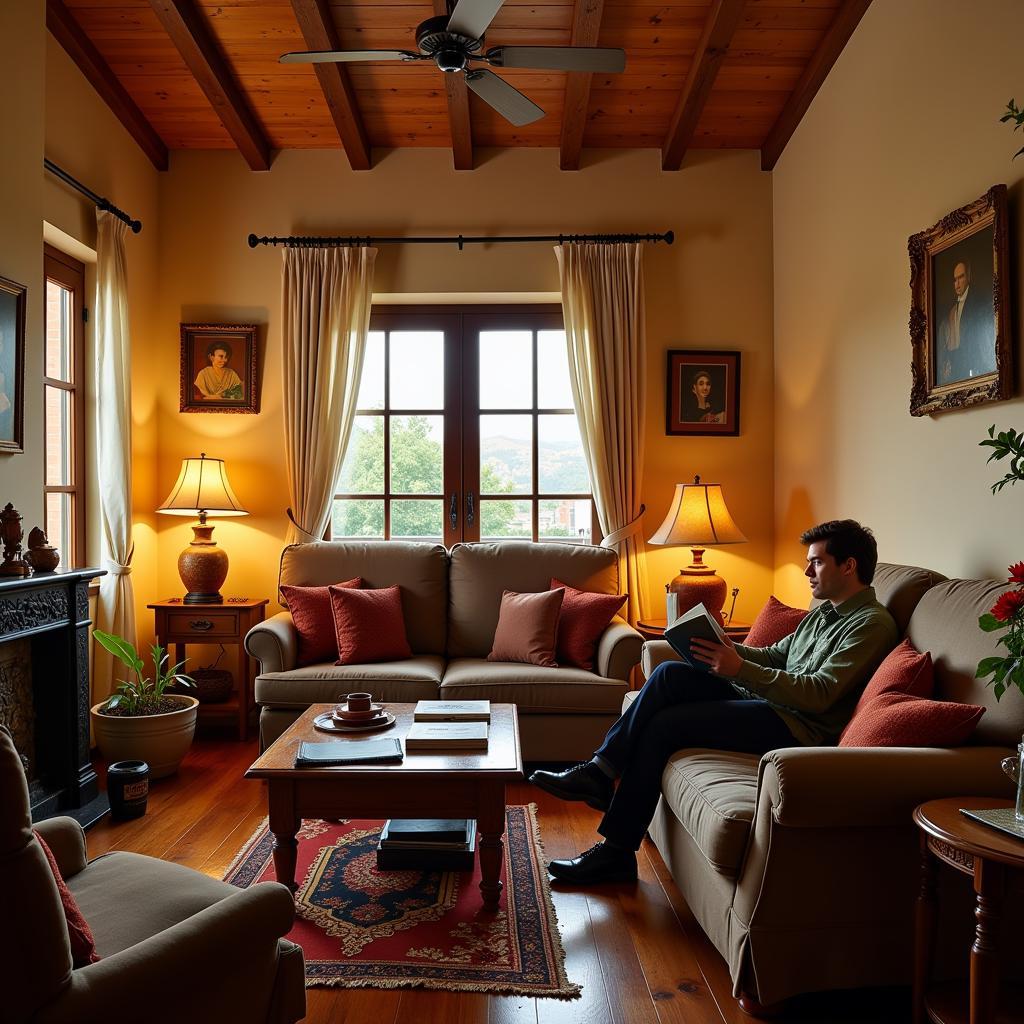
(678, 707)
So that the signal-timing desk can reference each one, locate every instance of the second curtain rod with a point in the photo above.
(314, 241)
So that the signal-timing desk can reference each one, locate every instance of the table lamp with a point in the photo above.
(202, 488)
(698, 517)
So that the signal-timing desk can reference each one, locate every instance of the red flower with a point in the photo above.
(1016, 573)
(1008, 605)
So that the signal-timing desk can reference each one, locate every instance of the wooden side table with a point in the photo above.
(654, 629)
(987, 855)
(181, 624)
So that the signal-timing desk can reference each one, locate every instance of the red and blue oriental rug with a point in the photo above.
(360, 927)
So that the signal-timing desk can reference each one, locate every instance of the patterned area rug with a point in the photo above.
(360, 927)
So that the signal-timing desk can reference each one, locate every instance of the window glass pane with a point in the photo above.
(417, 370)
(371, 383)
(58, 436)
(417, 455)
(362, 472)
(505, 519)
(567, 520)
(417, 519)
(506, 454)
(58, 525)
(553, 388)
(58, 331)
(357, 517)
(506, 370)
(560, 463)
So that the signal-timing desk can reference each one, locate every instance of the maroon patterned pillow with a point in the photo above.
(314, 620)
(83, 945)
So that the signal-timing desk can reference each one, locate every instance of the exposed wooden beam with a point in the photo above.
(320, 33)
(81, 50)
(198, 48)
(811, 80)
(722, 22)
(586, 27)
(458, 110)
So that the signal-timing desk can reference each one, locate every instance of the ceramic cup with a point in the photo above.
(359, 701)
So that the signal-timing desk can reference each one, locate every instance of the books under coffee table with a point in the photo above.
(427, 844)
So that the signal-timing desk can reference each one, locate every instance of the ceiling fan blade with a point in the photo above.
(559, 58)
(340, 56)
(506, 100)
(471, 17)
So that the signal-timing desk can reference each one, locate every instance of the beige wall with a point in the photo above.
(711, 289)
(905, 129)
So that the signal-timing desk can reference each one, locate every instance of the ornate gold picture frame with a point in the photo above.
(218, 368)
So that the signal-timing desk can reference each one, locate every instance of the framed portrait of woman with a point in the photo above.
(703, 393)
(12, 367)
(218, 368)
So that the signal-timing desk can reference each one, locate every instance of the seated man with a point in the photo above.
(801, 690)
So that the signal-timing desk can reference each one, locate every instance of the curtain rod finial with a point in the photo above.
(670, 237)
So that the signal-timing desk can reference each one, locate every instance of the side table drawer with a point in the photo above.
(201, 623)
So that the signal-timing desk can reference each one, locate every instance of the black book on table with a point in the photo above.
(425, 830)
(344, 752)
(698, 622)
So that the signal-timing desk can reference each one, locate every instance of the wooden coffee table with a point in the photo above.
(438, 784)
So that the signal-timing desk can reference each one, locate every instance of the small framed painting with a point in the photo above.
(960, 308)
(218, 368)
(703, 393)
(12, 367)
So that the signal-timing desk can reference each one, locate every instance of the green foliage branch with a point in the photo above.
(1017, 115)
(139, 694)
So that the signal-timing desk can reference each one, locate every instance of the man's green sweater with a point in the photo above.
(814, 677)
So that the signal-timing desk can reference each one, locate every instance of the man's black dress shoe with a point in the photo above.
(584, 782)
(601, 863)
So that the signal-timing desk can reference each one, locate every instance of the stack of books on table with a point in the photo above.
(449, 725)
(427, 844)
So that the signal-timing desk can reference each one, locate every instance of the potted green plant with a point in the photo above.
(141, 721)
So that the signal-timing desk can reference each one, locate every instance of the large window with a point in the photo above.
(465, 430)
(64, 406)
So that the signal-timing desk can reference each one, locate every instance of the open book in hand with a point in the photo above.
(697, 622)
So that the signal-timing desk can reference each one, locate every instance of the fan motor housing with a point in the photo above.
(450, 51)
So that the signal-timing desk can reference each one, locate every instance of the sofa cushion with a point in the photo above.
(313, 618)
(774, 622)
(420, 569)
(532, 688)
(409, 680)
(481, 572)
(585, 616)
(527, 627)
(369, 625)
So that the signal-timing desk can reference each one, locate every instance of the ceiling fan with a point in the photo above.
(455, 40)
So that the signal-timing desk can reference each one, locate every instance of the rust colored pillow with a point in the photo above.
(527, 628)
(369, 625)
(83, 945)
(314, 620)
(585, 616)
(774, 622)
(893, 711)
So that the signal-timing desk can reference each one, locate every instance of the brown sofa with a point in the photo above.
(802, 865)
(174, 944)
(450, 601)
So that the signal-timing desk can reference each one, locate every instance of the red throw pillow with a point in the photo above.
(314, 620)
(774, 622)
(892, 711)
(527, 627)
(83, 945)
(585, 616)
(369, 625)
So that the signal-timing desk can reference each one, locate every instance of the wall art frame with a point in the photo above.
(218, 368)
(12, 367)
(702, 394)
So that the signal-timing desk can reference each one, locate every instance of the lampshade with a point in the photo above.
(697, 516)
(202, 486)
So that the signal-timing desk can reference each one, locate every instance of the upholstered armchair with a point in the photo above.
(174, 944)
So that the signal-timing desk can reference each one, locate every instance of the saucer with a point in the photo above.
(328, 723)
(345, 715)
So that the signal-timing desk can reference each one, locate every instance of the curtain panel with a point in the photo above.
(327, 295)
(603, 308)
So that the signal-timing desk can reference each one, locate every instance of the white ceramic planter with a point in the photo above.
(159, 740)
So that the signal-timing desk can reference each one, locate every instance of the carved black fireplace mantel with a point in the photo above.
(49, 613)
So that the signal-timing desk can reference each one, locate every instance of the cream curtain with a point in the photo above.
(115, 608)
(326, 302)
(603, 309)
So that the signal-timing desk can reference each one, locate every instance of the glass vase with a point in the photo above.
(1014, 767)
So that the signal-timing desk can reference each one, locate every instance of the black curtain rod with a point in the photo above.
(315, 241)
(100, 201)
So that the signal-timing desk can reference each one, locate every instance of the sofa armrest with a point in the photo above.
(618, 650)
(849, 787)
(66, 839)
(655, 652)
(274, 643)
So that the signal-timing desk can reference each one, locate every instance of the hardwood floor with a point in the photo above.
(636, 950)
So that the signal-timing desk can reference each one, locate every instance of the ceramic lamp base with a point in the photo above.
(203, 567)
(699, 584)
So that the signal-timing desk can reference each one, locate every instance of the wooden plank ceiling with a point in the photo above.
(700, 74)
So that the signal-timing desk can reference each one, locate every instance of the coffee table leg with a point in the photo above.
(284, 824)
(491, 830)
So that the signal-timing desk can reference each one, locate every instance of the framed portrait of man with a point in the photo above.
(959, 313)
(703, 393)
(218, 368)
(12, 367)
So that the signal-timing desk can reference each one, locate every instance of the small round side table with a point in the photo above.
(654, 629)
(986, 854)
